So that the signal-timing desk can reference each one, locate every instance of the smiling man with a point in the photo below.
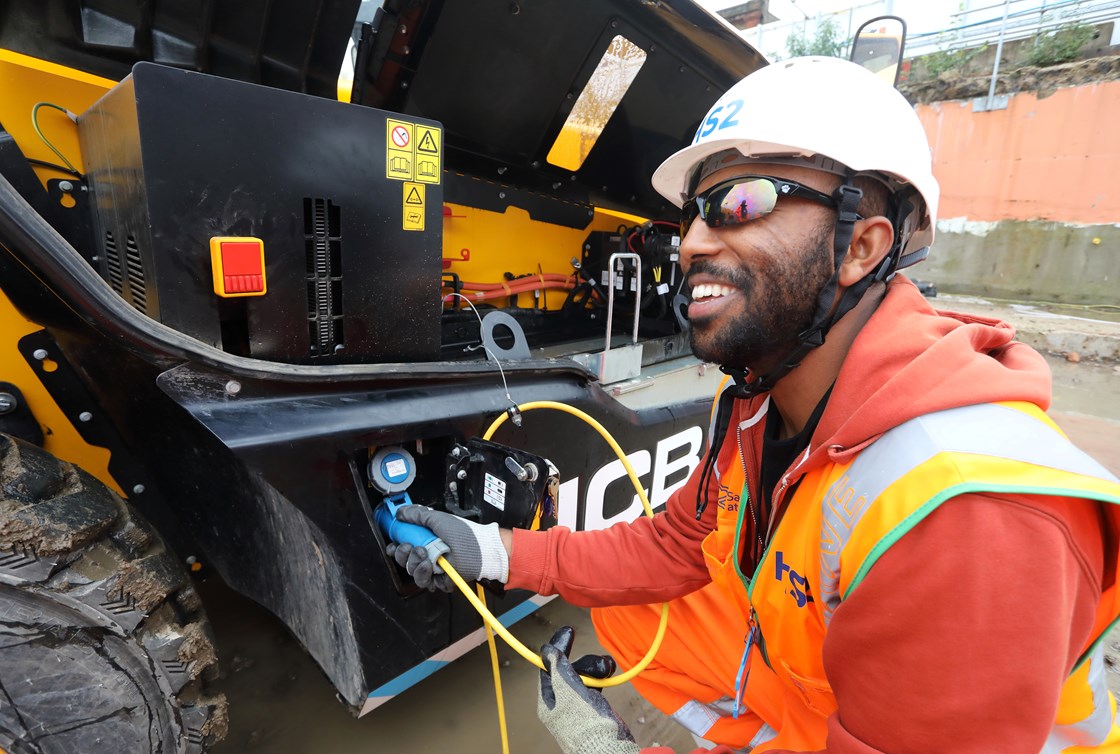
(889, 547)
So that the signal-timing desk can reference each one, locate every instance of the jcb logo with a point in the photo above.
(672, 461)
(799, 585)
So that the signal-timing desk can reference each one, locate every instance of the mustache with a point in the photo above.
(739, 277)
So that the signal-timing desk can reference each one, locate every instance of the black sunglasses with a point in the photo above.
(743, 199)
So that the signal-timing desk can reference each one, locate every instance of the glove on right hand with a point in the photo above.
(579, 718)
(476, 553)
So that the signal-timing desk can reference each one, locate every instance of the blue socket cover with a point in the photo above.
(392, 470)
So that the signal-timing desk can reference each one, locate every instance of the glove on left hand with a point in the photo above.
(476, 553)
(579, 718)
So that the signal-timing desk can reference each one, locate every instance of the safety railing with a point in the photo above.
(1014, 19)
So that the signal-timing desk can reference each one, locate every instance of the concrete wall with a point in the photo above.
(1030, 196)
(1026, 261)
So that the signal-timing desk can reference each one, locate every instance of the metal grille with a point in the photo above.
(136, 286)
(322, 234)
(113, 264)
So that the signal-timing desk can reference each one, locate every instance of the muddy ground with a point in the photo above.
(280, 703)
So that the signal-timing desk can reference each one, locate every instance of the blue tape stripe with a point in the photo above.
(510, 617)
(426, 668)
(409, 678)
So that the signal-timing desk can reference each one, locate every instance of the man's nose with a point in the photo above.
(700, 241)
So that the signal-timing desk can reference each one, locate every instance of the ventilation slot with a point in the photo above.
(113, 264)
(136, 287)
(321, 220)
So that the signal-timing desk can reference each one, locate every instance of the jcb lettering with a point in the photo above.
(674, 457)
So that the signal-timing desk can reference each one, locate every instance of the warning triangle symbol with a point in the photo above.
(427, 144)
(413, 197)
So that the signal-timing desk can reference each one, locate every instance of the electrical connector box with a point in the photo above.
(176, 158)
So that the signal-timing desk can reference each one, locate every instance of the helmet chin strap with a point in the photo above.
(847, 199)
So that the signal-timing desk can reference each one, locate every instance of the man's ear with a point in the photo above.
(871, 242)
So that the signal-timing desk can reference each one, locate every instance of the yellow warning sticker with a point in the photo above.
(428, 141)
(413, 217)
(399, 150)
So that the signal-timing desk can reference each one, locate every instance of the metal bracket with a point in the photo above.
(520, 347)
(625, 362)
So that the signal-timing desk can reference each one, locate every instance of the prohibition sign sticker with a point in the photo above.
(400, 137)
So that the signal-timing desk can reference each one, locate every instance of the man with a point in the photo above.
(889, 547)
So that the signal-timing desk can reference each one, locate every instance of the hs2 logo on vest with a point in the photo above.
(799, 585)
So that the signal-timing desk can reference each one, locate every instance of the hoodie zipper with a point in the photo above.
(750, 498)
(754, 636)
(776, 499)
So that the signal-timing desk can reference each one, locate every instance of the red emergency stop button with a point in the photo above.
(238, 265)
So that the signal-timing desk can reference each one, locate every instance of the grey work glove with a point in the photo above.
(476, 553)
(579, 718)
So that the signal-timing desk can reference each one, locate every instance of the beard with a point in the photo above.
(781, 299)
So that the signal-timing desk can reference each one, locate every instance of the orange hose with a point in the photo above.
(533, 279)
(489, 295)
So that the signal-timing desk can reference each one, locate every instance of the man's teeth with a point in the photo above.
(710, 291)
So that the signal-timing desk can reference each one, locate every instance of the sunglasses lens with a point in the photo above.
(741, 202)
(689, 212)
(732, 203)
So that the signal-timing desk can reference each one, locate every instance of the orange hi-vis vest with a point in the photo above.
(843, 517)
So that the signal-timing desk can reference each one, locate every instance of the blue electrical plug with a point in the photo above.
(405, 533)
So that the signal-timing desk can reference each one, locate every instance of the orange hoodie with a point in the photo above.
(960, 637)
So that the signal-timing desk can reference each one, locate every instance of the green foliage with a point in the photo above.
(937, 63)
(1062, 46)
(826, 41)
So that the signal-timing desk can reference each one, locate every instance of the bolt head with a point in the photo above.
(39, 353)
(138, 489)
(233, 387)
(8, 403)
(65, 186)
(85, 416)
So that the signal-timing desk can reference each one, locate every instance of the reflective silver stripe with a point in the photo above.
(1093, 730)
(985, 429)
(1004, 432)
(875, 469)
(765, 733)
(699, 718)
(695, 717)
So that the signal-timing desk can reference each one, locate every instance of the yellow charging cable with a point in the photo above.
(497, 626)
(493, 625)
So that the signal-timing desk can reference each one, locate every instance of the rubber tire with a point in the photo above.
(104, 645)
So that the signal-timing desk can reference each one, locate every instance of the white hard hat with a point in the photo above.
(812, 108)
